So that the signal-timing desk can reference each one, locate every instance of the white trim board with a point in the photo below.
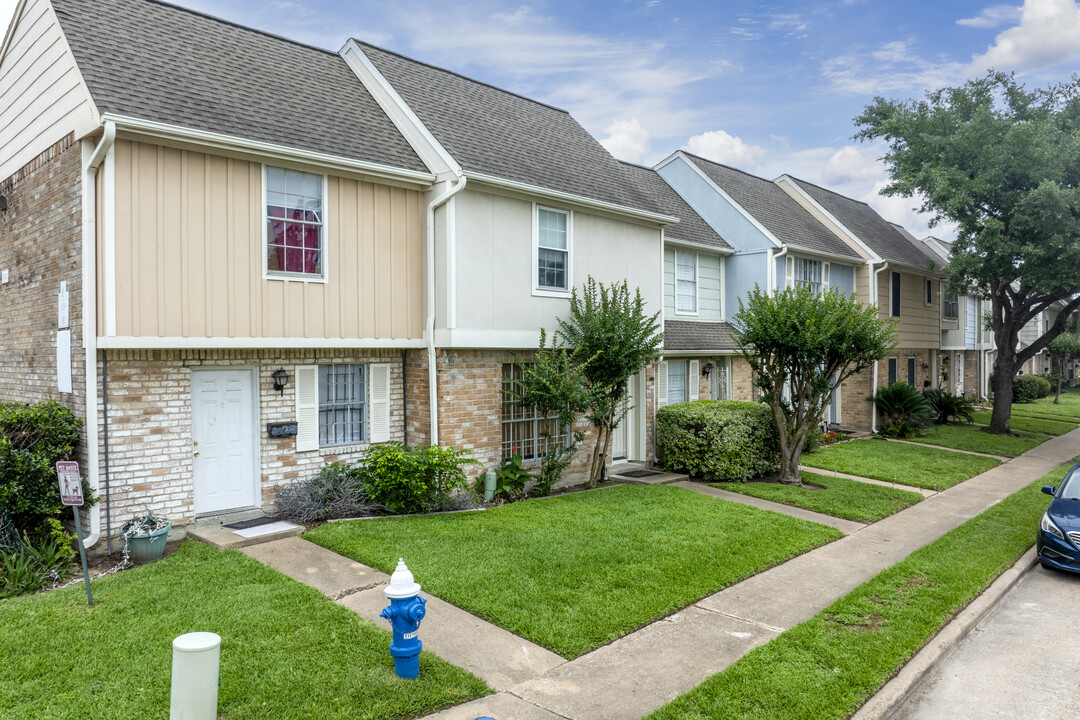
(254, 343)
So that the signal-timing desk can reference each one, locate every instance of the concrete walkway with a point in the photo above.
(925, 492)
(642, 671)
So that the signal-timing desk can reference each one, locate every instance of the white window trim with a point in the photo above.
(892, 289)
(325, 239)
(944, 302)
(551, 292)
(697, 284)
(367, 407)
(895, 361)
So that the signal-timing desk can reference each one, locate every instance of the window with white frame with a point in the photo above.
(950, 306)
(678, 382)
(809, 273)
(294, 223)
(342, 404)
(552, 249)
(525, 431)
(686, 271)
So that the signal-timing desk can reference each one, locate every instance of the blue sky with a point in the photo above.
(766, 87)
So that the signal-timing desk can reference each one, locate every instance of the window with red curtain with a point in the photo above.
(294, 222)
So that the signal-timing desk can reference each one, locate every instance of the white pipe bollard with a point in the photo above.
(196, 657)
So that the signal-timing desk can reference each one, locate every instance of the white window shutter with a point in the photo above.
(379, 403)
(789, 279)
(692, 381)
(307, 407)
(661, 384)
(825, 276)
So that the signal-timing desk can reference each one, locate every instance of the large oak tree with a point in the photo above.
(1003, 163)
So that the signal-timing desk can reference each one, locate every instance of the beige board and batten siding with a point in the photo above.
(42, 96)
(920, 324)
(493, 262)
(189, 255)
(709, 291)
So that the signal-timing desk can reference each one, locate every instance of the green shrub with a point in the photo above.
(335, 492)
(718, 441)
(1042, 386)
(27, 567)
(947, 406)
(1026, 388)
(902, 410)
(32, 439)
(409, 479)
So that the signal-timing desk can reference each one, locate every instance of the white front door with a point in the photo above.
(959, 372)
(223, 440)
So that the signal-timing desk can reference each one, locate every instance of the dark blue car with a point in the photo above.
(1059, 529)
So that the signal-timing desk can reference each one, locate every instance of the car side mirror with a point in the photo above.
(1049, 489)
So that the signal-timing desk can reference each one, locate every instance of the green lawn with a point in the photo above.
(1029, 423)
(924, 467)
(838, 497)
(828, 666)
(286, 652)
(574, 572)
(976, 439)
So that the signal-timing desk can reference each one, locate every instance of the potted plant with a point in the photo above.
(145, 537)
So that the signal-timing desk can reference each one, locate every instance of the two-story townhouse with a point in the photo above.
(777, 243)
(902, 276)
(532, 206)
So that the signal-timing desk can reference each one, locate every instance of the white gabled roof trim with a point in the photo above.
(407, 122)
(839, 259)
(19, 6)
(742, 211)
(790, 182)
(580, 200)
(698, 246)
(266, 150)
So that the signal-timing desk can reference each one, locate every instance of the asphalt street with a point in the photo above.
(1022, 661)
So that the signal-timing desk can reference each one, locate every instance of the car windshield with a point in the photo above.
(1071, 486)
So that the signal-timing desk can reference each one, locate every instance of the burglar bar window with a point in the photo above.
(342, 406)
(523, 427)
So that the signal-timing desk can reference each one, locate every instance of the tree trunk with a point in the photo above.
(1060, 373)
(593, 473)
(789, 464)
(1004, 369)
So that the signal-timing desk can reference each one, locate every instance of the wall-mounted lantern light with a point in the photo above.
(281, 378)
(707, 370)
(925, 366)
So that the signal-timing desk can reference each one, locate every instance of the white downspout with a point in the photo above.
(429, 326)
(874, 297)
(89, 315)
(771, 270)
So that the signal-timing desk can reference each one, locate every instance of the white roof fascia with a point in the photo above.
(697, 246)
(790, 182)
(831, 257)
(742, 211)
(19, 6)
(431, 151)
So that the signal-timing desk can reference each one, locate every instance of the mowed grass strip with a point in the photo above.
(574, 572)
(834, 496)
(914, 465)
(828, 666)
(1029, 423)
(286, 651)
(976, 439)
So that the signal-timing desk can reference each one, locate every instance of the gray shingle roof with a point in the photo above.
(691, 226)
(155, 61)
(874, 230)
(682, 335)
(774, 208)
(498, 133)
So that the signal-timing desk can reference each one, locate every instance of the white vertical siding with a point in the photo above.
(42, 96)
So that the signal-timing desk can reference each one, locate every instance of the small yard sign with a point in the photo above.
(67, 473)
(70, 483)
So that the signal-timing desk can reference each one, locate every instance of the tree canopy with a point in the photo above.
(1003, 163)
(802, 344)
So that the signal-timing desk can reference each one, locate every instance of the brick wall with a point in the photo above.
(742, 381)
(150, 434)
(40, 246)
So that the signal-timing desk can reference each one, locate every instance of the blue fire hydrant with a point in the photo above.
(405, 613)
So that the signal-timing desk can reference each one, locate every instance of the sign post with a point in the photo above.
(67, 473)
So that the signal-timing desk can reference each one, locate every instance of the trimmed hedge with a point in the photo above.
(1026, 388)
(718, 441)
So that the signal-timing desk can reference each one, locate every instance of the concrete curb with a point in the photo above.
(892, 696)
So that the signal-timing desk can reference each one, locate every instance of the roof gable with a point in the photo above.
(155, 61)
(691, 227)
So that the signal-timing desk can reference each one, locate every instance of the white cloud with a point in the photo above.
(722, 147)
(1047, 36)
(851, 163)
(993, 16)
(627, 140)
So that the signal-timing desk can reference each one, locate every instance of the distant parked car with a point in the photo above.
(1059, 529)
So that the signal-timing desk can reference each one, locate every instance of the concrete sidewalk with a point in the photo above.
(642, 671)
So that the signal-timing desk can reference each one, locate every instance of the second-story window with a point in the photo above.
(929, 292)
(552, 249)
(294, 223)
(894, 294)
(950, 306)
(685, 281)
(808, 273)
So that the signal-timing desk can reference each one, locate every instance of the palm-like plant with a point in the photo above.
(903, 410)
(947, 406)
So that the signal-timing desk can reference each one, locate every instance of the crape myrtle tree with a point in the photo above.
(1003, 163)
(1063, 349)
(801, 344)
(612, 339)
